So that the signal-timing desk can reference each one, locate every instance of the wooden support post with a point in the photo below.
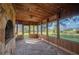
(29, 29)
(23, 30)
(47, 27)
(41, 28)
(37, 29)
(58, 27)
(33, 29)
(17, 29)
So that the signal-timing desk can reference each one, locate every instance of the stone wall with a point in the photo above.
(6, 13)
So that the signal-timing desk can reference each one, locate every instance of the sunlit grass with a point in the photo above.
(19, 33)
(65, 36)
(71, 37)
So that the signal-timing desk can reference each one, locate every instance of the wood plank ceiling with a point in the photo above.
(35, 13)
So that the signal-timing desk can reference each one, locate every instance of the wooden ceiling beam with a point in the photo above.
(26, 19)
(26, 23)
(41, 10)
(29, 12)
(41, 17)
(46, 10)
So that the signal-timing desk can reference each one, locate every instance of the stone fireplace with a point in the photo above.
(9, 31)
(7, 27)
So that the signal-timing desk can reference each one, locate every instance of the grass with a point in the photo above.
(71, 37)
(66, 36)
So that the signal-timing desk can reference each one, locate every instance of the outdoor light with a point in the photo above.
(31, 16)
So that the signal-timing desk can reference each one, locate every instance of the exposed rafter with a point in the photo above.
(32, 12)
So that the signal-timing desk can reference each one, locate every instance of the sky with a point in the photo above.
(67, 23)
(70, 23)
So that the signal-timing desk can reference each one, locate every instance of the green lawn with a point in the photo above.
(71, 37)
(26, 35)
(65, 36)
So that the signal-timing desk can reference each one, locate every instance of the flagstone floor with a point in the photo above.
(36, 47)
